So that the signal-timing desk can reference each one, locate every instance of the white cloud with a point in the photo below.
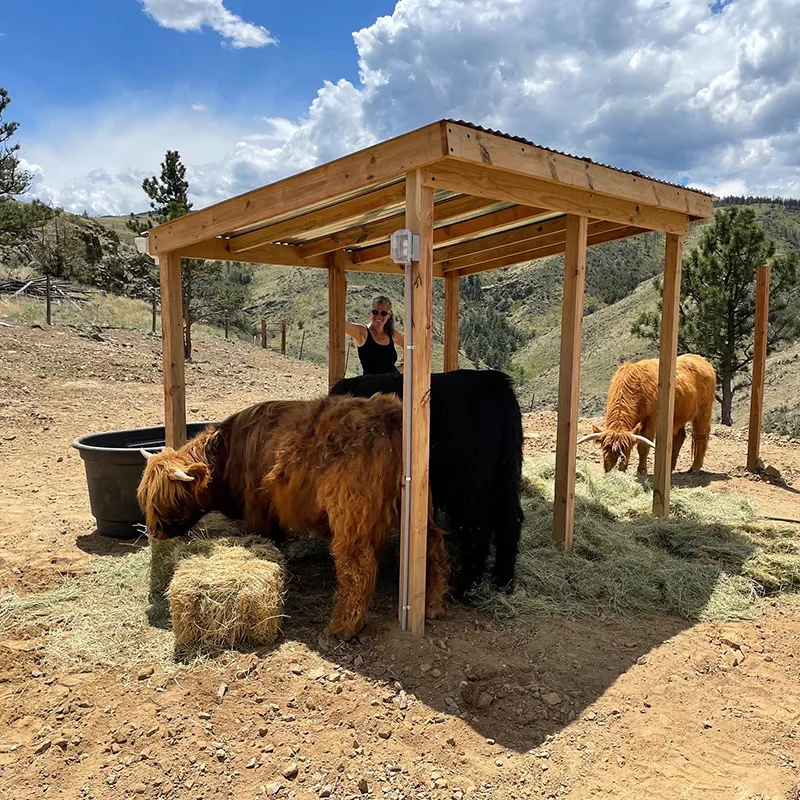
(674, 90)
(192, 15)
(199, 107)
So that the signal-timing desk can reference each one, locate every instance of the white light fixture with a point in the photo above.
(404, 247)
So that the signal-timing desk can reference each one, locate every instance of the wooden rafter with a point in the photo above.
(285, 254)
(372, 203)
(508, 186)
(538, 250)
(383, 229)
(461, 230)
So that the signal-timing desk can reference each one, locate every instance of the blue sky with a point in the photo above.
(251, 91)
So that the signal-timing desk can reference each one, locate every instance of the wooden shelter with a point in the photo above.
(478, 200)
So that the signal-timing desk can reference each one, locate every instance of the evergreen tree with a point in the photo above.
(13, 180)
(717, 306)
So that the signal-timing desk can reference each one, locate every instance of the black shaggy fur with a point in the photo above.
(475, 463)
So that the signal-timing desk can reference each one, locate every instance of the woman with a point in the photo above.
(376, 341)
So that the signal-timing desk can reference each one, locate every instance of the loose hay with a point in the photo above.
(227, 598)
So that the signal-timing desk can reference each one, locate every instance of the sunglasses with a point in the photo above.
(375, 313)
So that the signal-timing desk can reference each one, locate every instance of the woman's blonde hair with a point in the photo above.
(389, 326)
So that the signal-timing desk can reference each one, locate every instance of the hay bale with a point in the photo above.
(227, 598)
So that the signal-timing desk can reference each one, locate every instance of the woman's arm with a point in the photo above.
(356, 331)
(400, 341)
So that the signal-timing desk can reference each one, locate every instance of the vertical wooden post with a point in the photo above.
(451, 300)
(759, 366)
(416, 405)
(569, 380)
(48, 301)
(337, 309)
(155, 308)
(169, 265)
(283, 337)
(302, 342)
(263, 334)
(668, 353)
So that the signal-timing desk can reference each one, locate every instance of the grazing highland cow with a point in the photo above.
(304, 466)
(475, 463)
(632, 408)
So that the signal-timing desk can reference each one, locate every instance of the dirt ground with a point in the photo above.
(609, 708)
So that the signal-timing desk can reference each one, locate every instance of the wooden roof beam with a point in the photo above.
(311, 189)
(554, 249)
(481, 181)
(461, 230)
(375, 231)
(552, 237)
(285, 254)
(373, 202)
(465, 144)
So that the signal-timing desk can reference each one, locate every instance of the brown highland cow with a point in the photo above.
(632, 408)
(331, 466)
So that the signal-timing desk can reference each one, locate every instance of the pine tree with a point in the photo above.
(13, 180)
(717, 307)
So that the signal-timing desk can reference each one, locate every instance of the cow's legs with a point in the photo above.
(678, 438)
(648, 430)
(470, 528)
(356, 571)
(701, 430)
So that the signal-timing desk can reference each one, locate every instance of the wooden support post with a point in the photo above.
(569, 380)
(172, 346)
(668, 353)
(263, 334)
(759, 366)
(48, 301)
(155, 311)
(302, 342)
(337, 309)
(451, 300)
(416, 404)
(283, 337)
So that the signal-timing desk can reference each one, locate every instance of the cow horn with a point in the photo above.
(180, 475)
(590, 436)
(643, 440)
(146, 453)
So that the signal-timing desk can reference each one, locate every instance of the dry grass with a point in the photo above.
(710, 560)
(226, 599)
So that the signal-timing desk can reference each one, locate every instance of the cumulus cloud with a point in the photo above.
(683, 91)
(192, 15)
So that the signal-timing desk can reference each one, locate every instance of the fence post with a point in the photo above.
(759, 366)
(48, 301)
(302, 342)
(283, 337)
(154, 305)
(263, 333)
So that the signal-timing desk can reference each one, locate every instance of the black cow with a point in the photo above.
(475, 463)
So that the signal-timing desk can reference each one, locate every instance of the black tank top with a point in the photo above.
(375, 358)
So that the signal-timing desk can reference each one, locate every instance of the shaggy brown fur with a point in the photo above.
(332, 465)
(632, 408)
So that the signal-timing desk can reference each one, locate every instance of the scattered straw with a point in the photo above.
(710, 560)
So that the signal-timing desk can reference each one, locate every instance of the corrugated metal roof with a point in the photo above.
(522, 140)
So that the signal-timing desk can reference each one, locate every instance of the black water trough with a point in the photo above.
(114, 468)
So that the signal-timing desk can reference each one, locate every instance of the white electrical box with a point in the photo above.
(404, 247)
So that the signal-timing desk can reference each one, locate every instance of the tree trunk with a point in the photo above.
(727, 398)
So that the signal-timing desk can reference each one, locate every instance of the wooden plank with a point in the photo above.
(481, 181)
(525, 255)
(284, 254)
(374, 203)
(668, 353)
(569, 379)
(759, 367)
(451, 300)
(169, 267)
(307, 190)
(386, 265)
(375, 231)
(476, 147)
(416, 407)
(484, 224)
(337, 309)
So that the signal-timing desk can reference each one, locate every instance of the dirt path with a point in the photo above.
(612, 708)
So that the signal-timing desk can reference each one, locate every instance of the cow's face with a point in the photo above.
(173, 494)
(616, 447)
